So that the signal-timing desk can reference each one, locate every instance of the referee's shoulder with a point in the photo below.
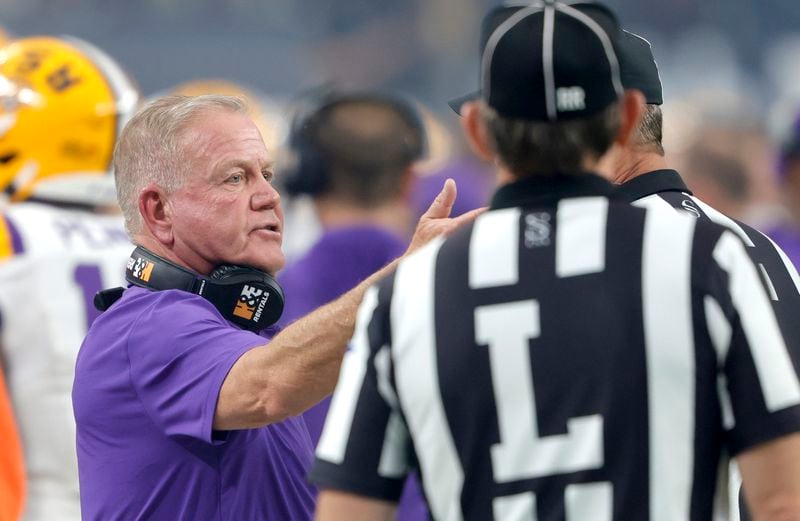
(663, 218)
(668, 213)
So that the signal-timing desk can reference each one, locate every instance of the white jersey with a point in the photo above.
(52, 262)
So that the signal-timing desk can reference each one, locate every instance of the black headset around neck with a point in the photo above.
(249, 298)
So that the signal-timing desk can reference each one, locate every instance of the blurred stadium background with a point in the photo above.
(731, 69)
(425, 47)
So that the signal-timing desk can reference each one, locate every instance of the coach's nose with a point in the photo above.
(265, 196)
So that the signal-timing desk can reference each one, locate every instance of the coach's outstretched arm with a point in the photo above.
(300, 365)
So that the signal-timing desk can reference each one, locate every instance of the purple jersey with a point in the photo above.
(146, 386)
(339, 261)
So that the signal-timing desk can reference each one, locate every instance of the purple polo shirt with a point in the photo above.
(146, 385)
(341, 259)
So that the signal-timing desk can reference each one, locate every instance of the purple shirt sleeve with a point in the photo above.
(181, 350)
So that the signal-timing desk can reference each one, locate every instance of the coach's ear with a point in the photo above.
(156, 215)
(632, 106)
(476, 131)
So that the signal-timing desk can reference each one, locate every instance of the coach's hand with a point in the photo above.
(436, 220)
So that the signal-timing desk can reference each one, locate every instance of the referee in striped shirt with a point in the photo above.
(569, 356)
(646, 180)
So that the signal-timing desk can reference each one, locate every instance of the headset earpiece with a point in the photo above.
(256, 296)
(308, 174)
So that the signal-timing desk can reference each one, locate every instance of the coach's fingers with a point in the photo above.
(448, 226)
(428, 229)
(468, 216)
(442, 205)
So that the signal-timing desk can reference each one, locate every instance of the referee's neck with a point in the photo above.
(630, 164)
(506, 176)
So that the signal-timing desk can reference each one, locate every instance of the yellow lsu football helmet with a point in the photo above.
(63, 103)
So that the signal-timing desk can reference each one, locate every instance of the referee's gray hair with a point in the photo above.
(149, 148)
(650, 132)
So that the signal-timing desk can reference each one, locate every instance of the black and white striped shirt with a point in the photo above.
(666, 188)
(568, 356)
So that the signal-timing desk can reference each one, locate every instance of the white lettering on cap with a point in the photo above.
(570, 98)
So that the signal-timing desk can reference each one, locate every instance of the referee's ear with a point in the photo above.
(476, 131)
(632, 106)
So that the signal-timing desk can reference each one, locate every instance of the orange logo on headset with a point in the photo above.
(142, 269)
(147, 271)
(246, 306)
(243, 310)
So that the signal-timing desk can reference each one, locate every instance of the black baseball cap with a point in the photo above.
(638, 67)
(548, 61)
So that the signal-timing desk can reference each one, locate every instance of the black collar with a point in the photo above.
(652, 183)
(543, 189)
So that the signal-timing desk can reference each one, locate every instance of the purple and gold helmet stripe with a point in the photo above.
(10, 239)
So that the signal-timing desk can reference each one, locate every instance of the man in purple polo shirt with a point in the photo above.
(355, 157)
(180, 414)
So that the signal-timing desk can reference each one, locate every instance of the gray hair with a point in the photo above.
(650, 131)
(529, 148)
(149, 148)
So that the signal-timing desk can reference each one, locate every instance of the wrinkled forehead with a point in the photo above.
(222, 136)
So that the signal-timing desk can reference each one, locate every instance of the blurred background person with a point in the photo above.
(354, 155)
(722, 182)
(449, 157)
(726, 155)
(787, 232)
(63, 103)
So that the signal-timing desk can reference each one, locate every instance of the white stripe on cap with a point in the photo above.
(494, 39)
(611, 55)
(527, 4)
(547, 61)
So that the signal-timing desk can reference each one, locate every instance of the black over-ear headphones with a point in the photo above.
(308, 172)
(249, 298)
